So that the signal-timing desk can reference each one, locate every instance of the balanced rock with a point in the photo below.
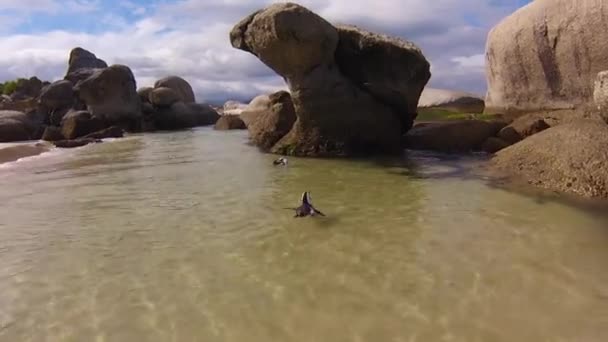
(110, 95)
(179, 85)
(546, 56)
(342, 80)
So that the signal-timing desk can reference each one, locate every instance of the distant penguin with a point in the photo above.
(306, 208)
(280, 161)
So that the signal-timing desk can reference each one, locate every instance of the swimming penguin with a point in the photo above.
(280, 161)
(306, 208)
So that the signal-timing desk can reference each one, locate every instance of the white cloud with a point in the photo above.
(190, 38)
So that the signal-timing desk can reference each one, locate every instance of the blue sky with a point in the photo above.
(190, 38)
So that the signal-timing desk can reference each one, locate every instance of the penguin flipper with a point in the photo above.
(317, 212)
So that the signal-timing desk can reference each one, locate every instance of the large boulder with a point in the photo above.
(267, 125)
(76, 124)
(81, 59)
(452, 136)
(163, 97)
(57, 95)
(546, 55)
(17, 126)
(570, 158)
(182, 115)
(179, 85)
(110, 95)
(347, 97)
(229, 122)
(457, 101)
(600, 94)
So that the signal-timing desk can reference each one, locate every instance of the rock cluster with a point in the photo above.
(96, 101)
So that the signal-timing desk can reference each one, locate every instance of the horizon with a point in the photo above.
(190, 39)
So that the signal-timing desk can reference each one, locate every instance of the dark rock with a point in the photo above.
(111, 132)
(27, 88)
(16, 126)
(57, 95)
(144, 94)
(522, 128)
(181, 115)
(110, 95)
(78, 124)
(179, 85)
(52, 133)
(83, 59)
(229, 122)
(494, 144)
(452, 136)
(163, 97)
(75, 143)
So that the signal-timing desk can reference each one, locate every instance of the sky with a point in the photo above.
(190, 38)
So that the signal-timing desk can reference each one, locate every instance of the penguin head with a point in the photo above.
(306, 197)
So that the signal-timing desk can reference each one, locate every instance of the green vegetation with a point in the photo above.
(9, 87)
(439, 114)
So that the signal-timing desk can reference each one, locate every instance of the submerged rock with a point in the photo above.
(184, 115)
(110, 132)
(452, 136)
(75, 143)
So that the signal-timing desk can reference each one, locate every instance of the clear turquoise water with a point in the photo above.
(182, 237)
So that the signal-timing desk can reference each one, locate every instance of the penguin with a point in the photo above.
(306, 208)
(280, 161)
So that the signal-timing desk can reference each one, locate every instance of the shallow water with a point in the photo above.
(183, 237)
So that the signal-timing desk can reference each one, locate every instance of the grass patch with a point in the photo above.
(439, 114)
